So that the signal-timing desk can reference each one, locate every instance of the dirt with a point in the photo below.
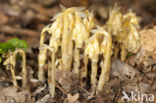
(25, 19)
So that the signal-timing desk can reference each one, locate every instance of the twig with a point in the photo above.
(15, 31)
(61, 89)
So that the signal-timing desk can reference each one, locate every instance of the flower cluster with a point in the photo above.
(123, 29)
(76, 38)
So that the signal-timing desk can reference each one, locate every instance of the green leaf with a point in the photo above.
(12, 45)
(3, 48)
(1, 51)
(16, 43)
(0, 59)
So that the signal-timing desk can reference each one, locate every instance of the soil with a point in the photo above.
(25, 20)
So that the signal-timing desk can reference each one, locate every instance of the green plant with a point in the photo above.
(12, 45)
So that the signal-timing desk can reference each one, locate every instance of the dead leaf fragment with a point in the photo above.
(99, 99)
(66, 79)
(4, 18)
(137, 87)
(14, 95)
(148, 41)
(44, 99)
(123, 70)
(73, 99)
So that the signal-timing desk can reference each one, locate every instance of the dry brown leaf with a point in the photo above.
(4, 18)
(148, 41)
(99, 99)
(14, 95)
(73, 99)
(123, 70)
(44, 99)
(146, 57)
(137, 87)
(66, 79)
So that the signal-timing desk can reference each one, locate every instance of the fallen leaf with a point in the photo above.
(44, 99)
(136, 87)
(99, 99)
(148, 41)
(67, 79)
(14, 95)
(4, 18)
(73, 99)
(123, 70)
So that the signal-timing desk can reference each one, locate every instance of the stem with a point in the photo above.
(24, 82)
(51, 71)
(94, 74)
(123, 53)
(52, 75)
(70, 53)
(24, 71)
(106, 66)
(84, 70)
(12, 62)
(76, 61)
(116, 51)
(41, 59)
(65, 41)
(52, 68)
(13, 76)
(41, 73)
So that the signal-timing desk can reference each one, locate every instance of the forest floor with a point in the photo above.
(25, 19)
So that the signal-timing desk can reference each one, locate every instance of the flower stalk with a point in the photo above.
(73, 41)
(106, 50)
(12, 61)
(123, 29)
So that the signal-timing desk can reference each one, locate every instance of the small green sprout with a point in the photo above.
(12, 45)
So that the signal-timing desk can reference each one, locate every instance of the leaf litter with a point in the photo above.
(137, 74)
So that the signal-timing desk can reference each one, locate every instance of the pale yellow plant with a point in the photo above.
(93, 50)
(73, 41)
(10, 62)
(115, 21)
(104, 48)
(51, 71)
(123, 28)
(132, 41)
(69, 31)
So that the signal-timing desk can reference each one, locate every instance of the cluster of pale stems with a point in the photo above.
(77, 39)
